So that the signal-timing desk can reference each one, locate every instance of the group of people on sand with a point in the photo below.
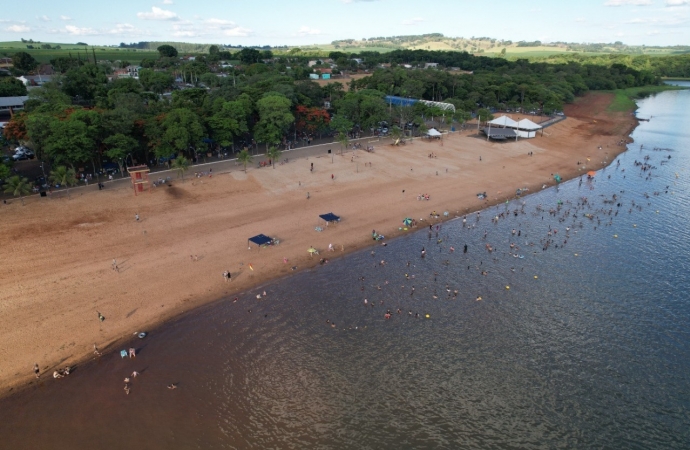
(59, 373)
(432, 155)
(423, 197)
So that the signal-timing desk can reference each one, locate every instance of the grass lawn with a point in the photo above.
(45, 55)
(624, 99)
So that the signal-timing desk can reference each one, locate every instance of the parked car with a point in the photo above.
(111, 168)
(22, 155)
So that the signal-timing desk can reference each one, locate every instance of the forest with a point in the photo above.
(86, 117)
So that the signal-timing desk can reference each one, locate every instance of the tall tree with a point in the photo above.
(182, 130)
(274, 119)
(11, 87)
(69, 142)
(23, 61)
(273, 153)
(87, 82)
(119, 146)
(180, 164)
(167, 51)
(245, 158)
(228, 123)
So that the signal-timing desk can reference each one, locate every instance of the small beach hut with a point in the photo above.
(527, 129)
(330, 217)
(503, 121)
(434, 133)
(260, 240)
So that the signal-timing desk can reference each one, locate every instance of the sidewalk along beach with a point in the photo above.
(59, 292)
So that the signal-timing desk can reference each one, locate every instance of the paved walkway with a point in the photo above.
(220, 166)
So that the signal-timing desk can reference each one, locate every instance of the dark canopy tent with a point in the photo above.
(499, 133)
(330, 217)
(260, 239)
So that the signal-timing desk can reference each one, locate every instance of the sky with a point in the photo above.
(305, 22)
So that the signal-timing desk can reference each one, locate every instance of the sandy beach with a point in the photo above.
(57, 273)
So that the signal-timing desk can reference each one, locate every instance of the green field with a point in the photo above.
(625, 98)
(102, 53)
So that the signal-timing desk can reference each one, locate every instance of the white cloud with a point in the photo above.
(65, 18)
(359, 1)
(158, 14)
(76, 31)
(306, 31)
(628, 2)
(238, 32)
(413, 21)
(580, 20)
(220, 23)
(167, 2)
(126, 28)
(44, 18)
(185, 34)
(677, 2)
(18, 29)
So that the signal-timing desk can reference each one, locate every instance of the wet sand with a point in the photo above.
(58, 275)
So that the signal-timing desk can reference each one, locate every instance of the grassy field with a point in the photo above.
(102, 53)
(624, 99)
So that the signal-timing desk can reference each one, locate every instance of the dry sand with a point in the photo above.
(56, 271)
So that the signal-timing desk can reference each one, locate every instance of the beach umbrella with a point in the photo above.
(407, 221)
(591, 173)
(312, 250)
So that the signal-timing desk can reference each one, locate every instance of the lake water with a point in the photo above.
(582, 345)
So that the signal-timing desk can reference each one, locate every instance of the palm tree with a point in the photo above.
(245, 158)
(344, 140)
(18, 187)
(273, 153)
(181, 164)
(64, 177)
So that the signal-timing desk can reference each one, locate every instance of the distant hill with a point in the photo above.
(489, 46)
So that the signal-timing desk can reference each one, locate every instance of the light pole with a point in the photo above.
(45, 181)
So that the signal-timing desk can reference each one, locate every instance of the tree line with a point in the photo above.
(83, 119)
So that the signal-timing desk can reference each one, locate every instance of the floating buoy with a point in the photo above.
(479, 298)
(142, 335)
(535, 277)
(576, 254)
(507, 287)
(427, 316)
(657, 211)
(615, 235)
(634, 225)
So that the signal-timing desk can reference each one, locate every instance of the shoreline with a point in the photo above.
(119, 303)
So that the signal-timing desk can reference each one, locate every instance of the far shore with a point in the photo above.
(57, 274)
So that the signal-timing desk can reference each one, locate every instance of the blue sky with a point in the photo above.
(302, 22)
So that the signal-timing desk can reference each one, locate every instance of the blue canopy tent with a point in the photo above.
(330, 217)
(261, 239)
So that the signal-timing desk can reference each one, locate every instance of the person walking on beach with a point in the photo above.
(136, 217)
(36, 370)
(132, 352)
(114, 263)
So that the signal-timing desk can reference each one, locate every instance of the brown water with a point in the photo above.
(594, 353)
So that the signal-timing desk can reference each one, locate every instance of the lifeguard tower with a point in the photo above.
(140, 178)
